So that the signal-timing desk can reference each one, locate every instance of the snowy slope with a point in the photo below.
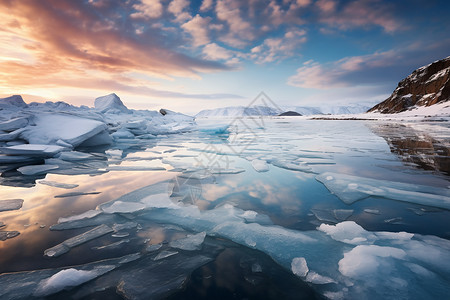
(425, 86)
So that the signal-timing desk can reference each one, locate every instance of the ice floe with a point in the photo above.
(10, 204)
(352, 188)
(77, 240)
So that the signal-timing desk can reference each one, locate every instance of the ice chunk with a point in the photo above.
(362, 260)
(10, 204)
(348, 232)
(134, 168)
(13, 124)
(52, 127)
(260, 165)
(75, 156)
(68, 278)
(58, 184)
(120, 234)
(189, 243)
(153, 248)
(86, 215)
(77, 240)
(299, 266)
(122, 207)
(112, 245)
(122, 134)
(110, 104)
(351, 188)
(9, 159)
(81, 221)
(315, 278)
(342, 214)
(165, 254)
(37, 169)
(292, 166)
(160, 200)
(4, 235)
(372, 211)
(73, 194)
(22, 285)
(35, 150)
(123, 226)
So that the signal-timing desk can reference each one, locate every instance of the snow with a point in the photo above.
(66, 279)
(110, 104)
(12, 102)
(13, 124)
(51, 127)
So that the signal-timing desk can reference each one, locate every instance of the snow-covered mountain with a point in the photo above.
(426, 86)
(240, 111)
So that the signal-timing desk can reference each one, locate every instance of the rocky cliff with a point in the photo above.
(426, 86)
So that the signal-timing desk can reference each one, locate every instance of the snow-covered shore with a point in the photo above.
(46, 129)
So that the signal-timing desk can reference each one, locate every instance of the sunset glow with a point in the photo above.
(191, 55)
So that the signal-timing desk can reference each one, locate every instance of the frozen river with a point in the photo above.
(249, 208)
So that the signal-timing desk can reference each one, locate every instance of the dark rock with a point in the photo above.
(426, 86)
(163, 111)
(289, 113)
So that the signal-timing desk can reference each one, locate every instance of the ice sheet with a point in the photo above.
(352, 188)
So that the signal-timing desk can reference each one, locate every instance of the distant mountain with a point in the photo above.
(240, 111)
(289, 113)
(426, 86)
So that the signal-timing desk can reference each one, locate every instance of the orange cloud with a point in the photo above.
(63, 42)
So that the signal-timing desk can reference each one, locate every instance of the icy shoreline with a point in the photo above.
(46, 130)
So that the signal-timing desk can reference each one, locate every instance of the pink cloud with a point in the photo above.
(361, 13)
(148, 9)
(71, 40)
(197, 27)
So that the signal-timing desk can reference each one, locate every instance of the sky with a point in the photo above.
(190, 55)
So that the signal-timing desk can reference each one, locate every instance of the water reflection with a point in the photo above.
(417, 147)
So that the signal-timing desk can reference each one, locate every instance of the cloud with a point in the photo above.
(206, 5)
(384, 67)
(357, 14)
(147, 9)
(240, 31)
(197, 27)
(177, 8)
(77, 40)
(273, 49)
(215, 52)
